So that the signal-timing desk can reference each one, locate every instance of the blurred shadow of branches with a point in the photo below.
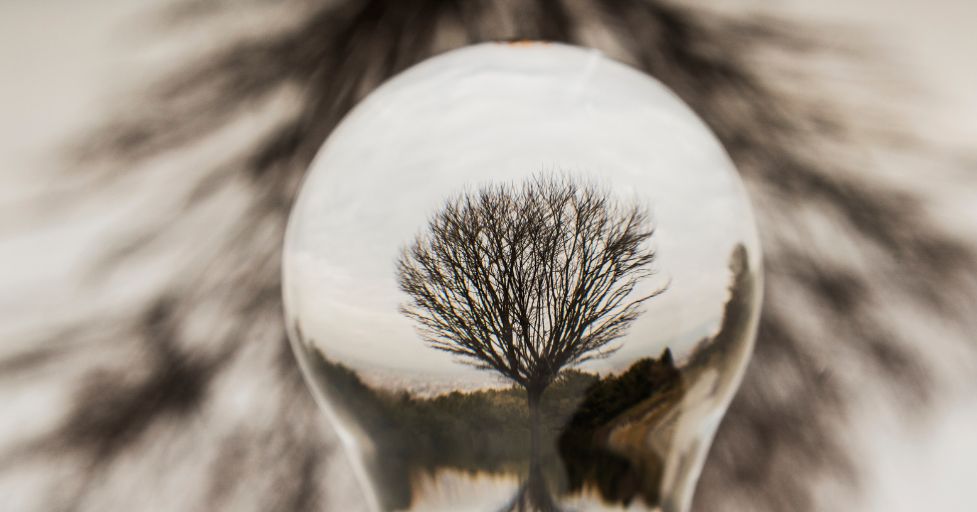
(782, 430)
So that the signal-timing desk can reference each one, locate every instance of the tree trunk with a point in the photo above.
(533, 395)
(535, 493)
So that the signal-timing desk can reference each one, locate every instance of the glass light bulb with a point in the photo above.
(523, 276)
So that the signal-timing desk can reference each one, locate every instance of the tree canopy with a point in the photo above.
(526, 279)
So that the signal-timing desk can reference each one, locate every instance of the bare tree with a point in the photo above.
(528, 280)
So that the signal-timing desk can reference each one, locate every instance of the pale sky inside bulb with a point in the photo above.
(497, 113)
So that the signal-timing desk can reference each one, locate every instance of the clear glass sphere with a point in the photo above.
(523, 277)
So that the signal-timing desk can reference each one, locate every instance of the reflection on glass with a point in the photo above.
(523, 277)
